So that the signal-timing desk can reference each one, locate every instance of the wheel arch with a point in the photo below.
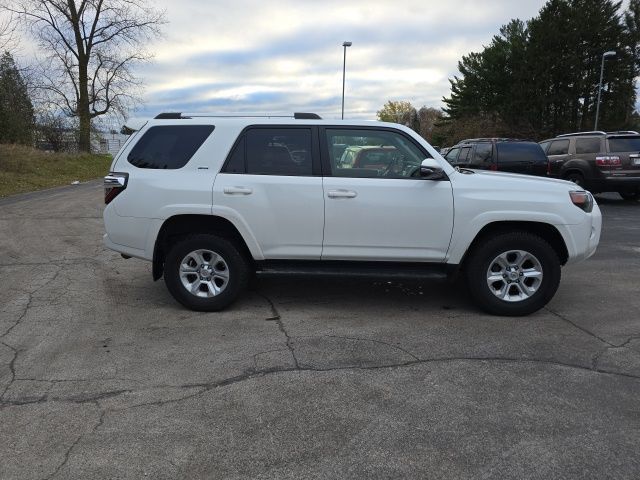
(544, 230)
(179, 226)
(576, 166)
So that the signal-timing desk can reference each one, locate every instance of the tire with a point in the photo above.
(519, 291)
(575, 177)
(210, 288)
(630, 196)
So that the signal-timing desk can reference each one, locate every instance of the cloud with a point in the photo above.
(287, 55)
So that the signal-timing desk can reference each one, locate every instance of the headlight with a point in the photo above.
(583, 200)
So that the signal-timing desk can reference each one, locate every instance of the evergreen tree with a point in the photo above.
(541, 78)
(16, 110)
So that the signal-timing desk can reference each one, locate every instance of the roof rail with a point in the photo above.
(623, 132)
(306, 116)
(168, 116)
(580, 134)
(177, 116)
(492, 139)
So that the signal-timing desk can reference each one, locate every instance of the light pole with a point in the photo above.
(604, 55)
(344, 68)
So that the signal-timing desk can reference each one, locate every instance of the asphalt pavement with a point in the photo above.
(104, 375)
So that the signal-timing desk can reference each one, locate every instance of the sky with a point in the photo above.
(287, 56)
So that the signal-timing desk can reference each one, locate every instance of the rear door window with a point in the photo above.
(482, 155)
(588, 145)
(558, 147)
(272, 151)
(168, 147)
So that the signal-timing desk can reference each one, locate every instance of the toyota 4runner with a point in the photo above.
(212, 200)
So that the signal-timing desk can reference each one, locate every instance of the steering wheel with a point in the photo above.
(393, 163)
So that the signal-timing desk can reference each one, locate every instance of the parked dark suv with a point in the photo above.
(597, 161)
(503, 154)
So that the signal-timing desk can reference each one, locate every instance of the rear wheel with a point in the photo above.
(575, 177)
(513, 274)
(205, 272)
(630, 196)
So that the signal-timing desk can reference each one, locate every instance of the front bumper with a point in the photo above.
(582, 239)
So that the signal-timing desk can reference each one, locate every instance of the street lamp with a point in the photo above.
(604, 55)
(344, 68)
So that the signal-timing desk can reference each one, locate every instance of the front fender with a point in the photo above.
(465, 233)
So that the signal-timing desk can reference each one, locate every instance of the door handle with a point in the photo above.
(342, 194)
(237, 191)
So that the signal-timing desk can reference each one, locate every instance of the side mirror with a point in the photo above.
(431, 170)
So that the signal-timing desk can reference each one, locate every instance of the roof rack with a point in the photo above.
(178, 116)
(492, 139)
(580, 134)
(623, 132)
(168, 116)
(306, 116)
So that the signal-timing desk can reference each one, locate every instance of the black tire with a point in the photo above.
(630, 196)
(482, 259)
(575, 177)
(233, 262)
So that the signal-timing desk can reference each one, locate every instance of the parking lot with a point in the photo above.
(104, 375)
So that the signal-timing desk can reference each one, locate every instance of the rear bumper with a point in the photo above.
(131, 252)
(126, 235)
(614, 184)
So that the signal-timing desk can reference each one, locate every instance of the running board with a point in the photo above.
(382, 270)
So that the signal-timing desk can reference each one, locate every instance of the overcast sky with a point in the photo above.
(283, 56)
(286, 55)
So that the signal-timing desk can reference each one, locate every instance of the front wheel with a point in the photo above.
(205, 272)
(513, 274)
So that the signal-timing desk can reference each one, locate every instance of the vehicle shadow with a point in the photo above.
(614, 199)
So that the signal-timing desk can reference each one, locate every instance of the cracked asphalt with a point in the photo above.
(103, 375)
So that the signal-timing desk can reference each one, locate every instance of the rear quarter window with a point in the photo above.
(521, 152)
(629, 144)
(168, 147)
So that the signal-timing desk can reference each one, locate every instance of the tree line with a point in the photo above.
(84, 68)
(540, 78)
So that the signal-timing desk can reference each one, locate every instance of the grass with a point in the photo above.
(25, 169)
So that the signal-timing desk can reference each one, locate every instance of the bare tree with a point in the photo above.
(428, 117)
(7, 29)
(90, 47)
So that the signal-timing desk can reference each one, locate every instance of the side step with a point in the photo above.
(381, 270)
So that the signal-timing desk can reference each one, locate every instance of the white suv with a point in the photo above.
(211, 200)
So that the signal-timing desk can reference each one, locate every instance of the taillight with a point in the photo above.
(608, 161)
(114, 184)
(583, 200)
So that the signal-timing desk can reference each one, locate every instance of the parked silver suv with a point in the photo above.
(597, 161)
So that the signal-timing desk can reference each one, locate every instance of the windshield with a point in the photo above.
(626, 144)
